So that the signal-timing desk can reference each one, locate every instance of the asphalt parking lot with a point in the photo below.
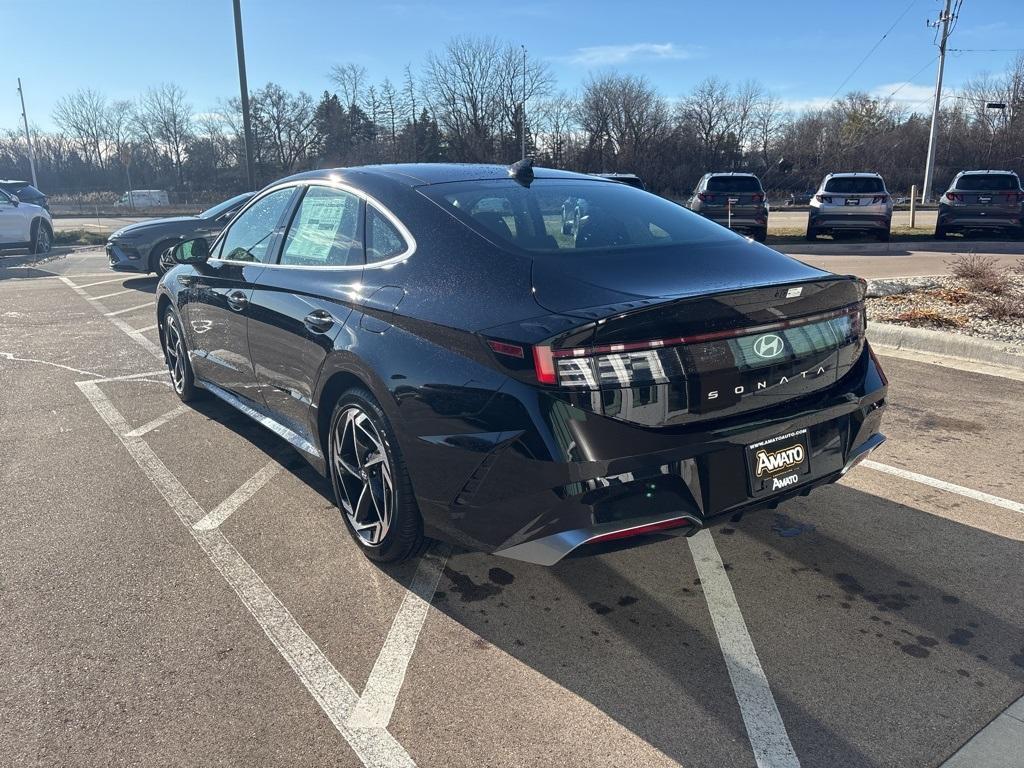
(178, 589)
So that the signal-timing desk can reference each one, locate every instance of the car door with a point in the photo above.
(303, 300)
(219, 293)
(14, 227)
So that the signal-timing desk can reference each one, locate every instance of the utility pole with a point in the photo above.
(929, 167)
(244, 87)
(28, 137)
(524, 101)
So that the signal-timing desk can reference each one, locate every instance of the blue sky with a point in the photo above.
(799, 49)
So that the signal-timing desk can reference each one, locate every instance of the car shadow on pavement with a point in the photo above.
(628, 631)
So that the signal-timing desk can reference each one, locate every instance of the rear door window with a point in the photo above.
(326, 230)
(734, 184)
(383, 240)
(988, 182)
(855, 185)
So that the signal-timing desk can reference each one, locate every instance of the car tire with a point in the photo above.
(42, 238)
(371, 483)
(761, 234)
(154, 256)
(883, 236)
(176, 357)
(941, 233)
(812, 234)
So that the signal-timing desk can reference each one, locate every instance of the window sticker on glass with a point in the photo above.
(325, 231)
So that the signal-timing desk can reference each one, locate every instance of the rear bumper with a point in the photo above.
(957, 219)
(853, 221)
(536, 496)
(125, 258)
(741, 218)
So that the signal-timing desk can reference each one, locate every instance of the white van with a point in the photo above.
(144, 198)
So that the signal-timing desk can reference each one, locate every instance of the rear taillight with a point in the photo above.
(823, 198)
(880, 199)
(1015, 197)
(757, 198)
(702, 196)
(544, 365)
(952, 196)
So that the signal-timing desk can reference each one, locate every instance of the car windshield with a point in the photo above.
(227, 205)
(552, 216)
(988, 181)
(855, 185)
(731, 184)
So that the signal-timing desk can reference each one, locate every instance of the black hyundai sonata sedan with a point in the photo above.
(430, 339)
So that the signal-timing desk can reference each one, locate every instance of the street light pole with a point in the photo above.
(929, 166)
(244, 87)
(28, 136)
(524, 102)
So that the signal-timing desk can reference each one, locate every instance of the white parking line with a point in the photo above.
(115, 293)
(765, 729)
(336, 697)
(159, 421)
(100, 282)
(11, 356)
(133, 334)
(115, 313)
(248, 489)
(970, 493)
(377, 703)
(152, 327)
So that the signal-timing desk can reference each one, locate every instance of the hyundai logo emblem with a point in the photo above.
(768, 346)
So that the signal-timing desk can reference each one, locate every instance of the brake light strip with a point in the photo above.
(732, 333)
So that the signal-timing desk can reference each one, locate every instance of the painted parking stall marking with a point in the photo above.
(960, 490)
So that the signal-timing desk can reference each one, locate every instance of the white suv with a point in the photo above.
(851, 202)
(23, 225)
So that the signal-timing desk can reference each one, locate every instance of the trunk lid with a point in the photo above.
(724, 342)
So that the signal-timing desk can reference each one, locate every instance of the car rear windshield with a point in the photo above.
(855, 185)
(988, 182)
(552, 216)
(732, 184)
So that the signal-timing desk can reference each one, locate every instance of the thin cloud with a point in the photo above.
(904, 93)
(602, 55)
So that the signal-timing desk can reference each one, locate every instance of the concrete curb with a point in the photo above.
(944, 344)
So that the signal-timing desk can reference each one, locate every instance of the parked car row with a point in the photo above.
(982, 200)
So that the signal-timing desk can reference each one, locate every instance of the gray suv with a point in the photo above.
(734, 200)
(138, 247)
(851, 202)
(990, 200)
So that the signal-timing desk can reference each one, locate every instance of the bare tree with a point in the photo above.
(351, 81)
(165, 117)
(286, 122)
(769, 118)
(82, 115)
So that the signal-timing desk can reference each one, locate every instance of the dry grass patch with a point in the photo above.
(1007, 307)
(930, 317)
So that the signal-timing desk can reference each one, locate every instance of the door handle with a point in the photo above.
(318, 321)
(237, 300)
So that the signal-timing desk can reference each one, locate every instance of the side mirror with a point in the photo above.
(194, 251)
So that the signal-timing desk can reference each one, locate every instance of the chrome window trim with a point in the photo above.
(410, 241)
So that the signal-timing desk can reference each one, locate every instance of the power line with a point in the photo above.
(909, 80)
(873, 49)
(985, 50)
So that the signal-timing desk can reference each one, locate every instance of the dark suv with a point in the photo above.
(734, 200)
(982, 200)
